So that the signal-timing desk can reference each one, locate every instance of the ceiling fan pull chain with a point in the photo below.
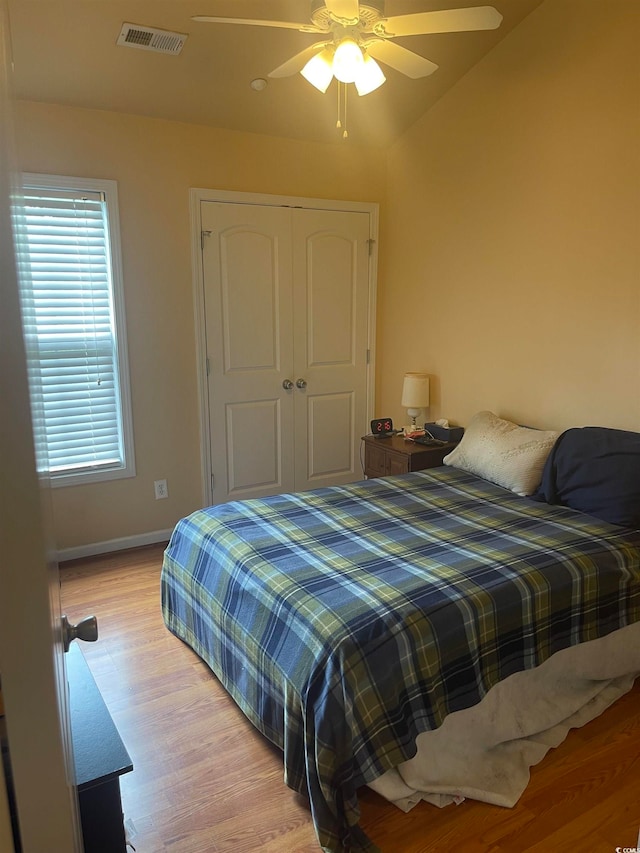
(345, 132)
(338, 122)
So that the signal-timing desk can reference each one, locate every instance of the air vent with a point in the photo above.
(148, 38)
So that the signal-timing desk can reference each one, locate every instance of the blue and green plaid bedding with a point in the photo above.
(347, 620)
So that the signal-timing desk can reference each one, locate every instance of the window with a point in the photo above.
(69, 250)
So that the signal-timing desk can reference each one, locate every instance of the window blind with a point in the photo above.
(66, 249)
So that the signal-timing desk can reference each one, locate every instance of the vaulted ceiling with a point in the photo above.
(65, 52)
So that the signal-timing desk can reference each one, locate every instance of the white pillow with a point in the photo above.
(507, 454)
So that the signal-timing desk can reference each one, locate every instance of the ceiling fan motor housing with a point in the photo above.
(371, 11)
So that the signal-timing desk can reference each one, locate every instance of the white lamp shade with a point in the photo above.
(415, 391)
(370, 76)
(319, 70)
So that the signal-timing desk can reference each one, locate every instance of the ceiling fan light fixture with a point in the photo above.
(370, 77)
(347, 61)
(319, 70)
(357, 32)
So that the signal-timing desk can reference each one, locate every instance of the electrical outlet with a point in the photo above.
(161, 490)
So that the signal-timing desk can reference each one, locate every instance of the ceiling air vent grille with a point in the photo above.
(148, 38)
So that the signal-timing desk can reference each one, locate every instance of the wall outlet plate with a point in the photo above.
(161, 490)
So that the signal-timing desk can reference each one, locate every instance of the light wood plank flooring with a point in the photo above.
(204, 781)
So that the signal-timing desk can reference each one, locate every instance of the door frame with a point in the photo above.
(196, 197)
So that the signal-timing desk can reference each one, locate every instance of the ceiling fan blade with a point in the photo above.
(297, 62)
(446, 21)
(349, 9)
(257, 22)
(403, 60)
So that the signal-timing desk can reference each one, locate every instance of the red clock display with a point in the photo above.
(381, 426)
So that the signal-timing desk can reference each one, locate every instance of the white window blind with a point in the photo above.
(73, 319)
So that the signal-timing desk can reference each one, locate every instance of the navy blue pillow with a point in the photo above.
(595, 470)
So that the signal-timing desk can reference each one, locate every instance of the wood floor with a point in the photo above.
(204, 781)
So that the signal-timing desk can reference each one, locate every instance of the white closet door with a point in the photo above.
(248, 317)
(286, 294)
(331, 302)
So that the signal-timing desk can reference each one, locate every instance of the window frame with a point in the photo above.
(109, 188)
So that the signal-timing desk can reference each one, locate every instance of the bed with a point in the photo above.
(353, 622)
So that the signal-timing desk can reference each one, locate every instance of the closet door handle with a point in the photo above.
(301, 384)
(287, 385)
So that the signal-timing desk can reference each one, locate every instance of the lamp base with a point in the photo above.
(413, 414)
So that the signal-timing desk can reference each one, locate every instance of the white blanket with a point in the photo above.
(485, 752)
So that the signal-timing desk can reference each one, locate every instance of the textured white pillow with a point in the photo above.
(507, 454)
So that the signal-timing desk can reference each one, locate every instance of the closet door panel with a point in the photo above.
(331, 302)
(330, 422)
(250, 286)
(248, 471)
(248, 317)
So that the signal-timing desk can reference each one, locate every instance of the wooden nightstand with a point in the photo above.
(395, 455)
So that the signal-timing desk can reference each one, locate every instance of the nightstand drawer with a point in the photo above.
(375, 460)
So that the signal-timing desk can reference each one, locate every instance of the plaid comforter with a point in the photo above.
(346, 621)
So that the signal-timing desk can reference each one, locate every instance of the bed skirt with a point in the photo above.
(485, 752)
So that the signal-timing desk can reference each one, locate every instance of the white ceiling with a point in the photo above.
(65, 52)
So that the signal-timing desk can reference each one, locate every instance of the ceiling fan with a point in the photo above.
(356, 34)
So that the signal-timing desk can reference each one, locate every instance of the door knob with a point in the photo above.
(301, 383)
(86, 629)
(287, 385)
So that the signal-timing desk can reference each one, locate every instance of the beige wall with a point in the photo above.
(512, 230)
(155, 163)
(509, 263)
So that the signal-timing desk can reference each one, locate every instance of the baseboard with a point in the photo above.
(121, 544)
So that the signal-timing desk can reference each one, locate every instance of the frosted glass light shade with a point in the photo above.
(370, 76)
(415, 394)
(347, 61)
(319, 70)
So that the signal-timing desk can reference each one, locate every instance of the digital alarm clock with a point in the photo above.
(382, 427)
